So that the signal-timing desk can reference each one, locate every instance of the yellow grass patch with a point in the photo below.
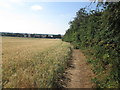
(32, 62)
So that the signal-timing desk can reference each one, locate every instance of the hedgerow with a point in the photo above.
(98, 32)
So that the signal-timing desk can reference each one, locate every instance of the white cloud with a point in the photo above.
(36, 7)
(16, 1)
(21, 23)
(5, 4)
(9, 4)
(12, 21)
(58, 0)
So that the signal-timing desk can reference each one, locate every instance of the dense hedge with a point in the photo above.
(98, 32)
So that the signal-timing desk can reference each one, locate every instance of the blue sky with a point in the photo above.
(37, 17)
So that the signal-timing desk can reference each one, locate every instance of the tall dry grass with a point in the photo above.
(33, 63)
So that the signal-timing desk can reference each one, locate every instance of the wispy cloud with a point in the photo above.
(36, 7)
(13, 22)
(16, 1)
(5, 4)
(9, 4)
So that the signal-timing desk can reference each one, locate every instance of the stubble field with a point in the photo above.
(33, 62)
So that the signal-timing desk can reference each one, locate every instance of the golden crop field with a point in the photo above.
(32, 62)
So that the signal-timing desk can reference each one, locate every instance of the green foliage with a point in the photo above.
(99, 31)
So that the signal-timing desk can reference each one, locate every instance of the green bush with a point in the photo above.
(98, 31)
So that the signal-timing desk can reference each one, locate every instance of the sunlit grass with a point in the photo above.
(29, 62)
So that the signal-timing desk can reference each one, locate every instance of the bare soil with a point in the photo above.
(80, 73)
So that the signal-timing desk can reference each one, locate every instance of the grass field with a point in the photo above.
(33, 62)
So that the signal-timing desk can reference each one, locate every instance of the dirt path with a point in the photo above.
(80, 74)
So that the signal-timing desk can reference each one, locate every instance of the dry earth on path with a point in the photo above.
(80, 74)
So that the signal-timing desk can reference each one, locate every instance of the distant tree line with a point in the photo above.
(98, 32)
(52, 36)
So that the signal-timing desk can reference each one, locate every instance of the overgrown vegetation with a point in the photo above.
(33, 63)
(98, 33)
